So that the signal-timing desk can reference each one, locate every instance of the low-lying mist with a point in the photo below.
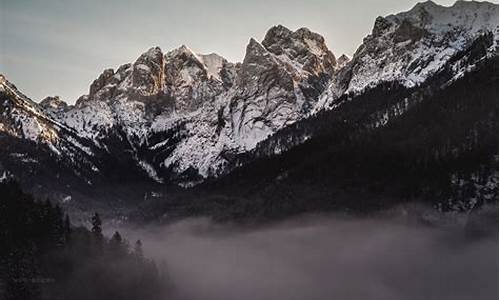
(323, 258)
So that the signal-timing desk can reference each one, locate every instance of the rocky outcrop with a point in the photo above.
(342, 61)
(53, 105)
(148, 75)
(306, 48)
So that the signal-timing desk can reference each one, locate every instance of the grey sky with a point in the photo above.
(58, 47)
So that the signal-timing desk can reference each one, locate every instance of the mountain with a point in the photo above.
(183, 114)
(391, 147)
(188, 119)
(55, 161)
(411, 46)
(390, 143)
(31, 138)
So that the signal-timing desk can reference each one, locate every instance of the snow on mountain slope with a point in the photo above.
(306, 50)
(213, 63)
(140, 95)
(271, 89)
(216, 108)
(266, 96)
(278, 83)
(410, 47)
(193, 79)
(22, 119)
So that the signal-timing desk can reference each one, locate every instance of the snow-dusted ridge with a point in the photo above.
(205, 108)
(23, 119)
(411, 46)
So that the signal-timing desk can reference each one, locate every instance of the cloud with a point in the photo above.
(323, 258)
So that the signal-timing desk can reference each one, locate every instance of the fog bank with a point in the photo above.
(323, 258)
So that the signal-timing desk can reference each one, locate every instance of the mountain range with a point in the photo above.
(412, 115)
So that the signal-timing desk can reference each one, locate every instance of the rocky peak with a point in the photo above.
(266, 96)
(380, 26)
(183, 64)
(275, 36)
(467, 17)
(80, 102)
(304, 33)
(192, 79)
(254, 48)
(148, 72)
(53, 103)
(214, 63)
(105, 87)
(21, 117)
(425, 5)
(304, 47)
(183, 67)
(185, 54)
(101, 81)
(279, 82)
(258, 60)
(342, 61)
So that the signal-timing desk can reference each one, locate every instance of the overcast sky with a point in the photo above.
(58, 47)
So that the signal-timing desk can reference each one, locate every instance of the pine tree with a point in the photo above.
(67, 229)
(28, 251)
(138, 249)
(97, 233)
(58, 225)
(96, 226)
(117, 238)
(117, 245)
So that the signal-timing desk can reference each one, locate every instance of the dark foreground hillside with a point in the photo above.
(42, 256)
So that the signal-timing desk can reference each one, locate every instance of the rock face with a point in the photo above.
(54, 103)
(278, 83)
(186, 113)
(273, 87)
(181, 116)
(410, 47)
(305, 48)
(193, 79)
(342, 61)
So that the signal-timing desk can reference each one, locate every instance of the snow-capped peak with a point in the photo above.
(212, 105)
(184, 51)
(211, 63)
(153, 53)
(53, 102)
(411, 46)
(469, 16)
(305, 48)
(342, 61)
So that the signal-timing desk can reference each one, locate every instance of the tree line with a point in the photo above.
(43, 256)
